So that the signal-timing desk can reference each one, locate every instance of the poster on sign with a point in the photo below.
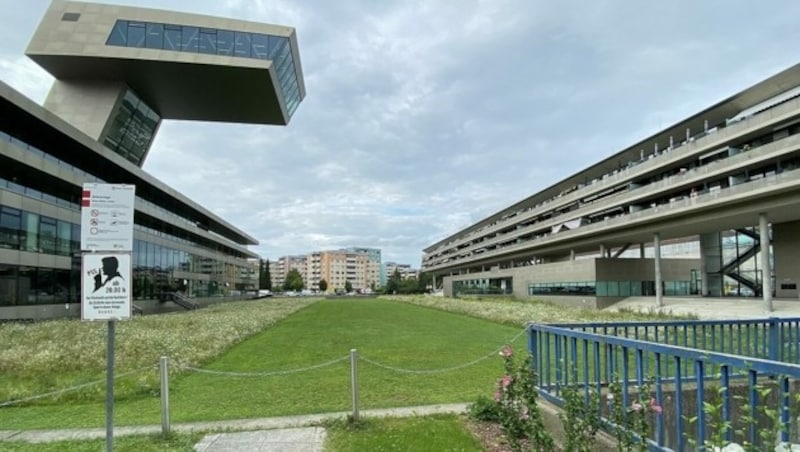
(107, 217)
(106, 286)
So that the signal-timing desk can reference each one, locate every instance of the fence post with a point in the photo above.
(354, 380)
(774, 339)
(163, 367)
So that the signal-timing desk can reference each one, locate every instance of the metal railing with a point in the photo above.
(733, 380)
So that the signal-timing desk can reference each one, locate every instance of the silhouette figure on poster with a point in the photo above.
(110, 270)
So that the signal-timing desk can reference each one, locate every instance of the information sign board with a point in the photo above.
(106, 286)
(107, 217)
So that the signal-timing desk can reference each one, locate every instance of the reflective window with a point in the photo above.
(10, 225)
(155, 36)
(119, 34)
(47, 235)
(172, 37)
(30, 230)
(136, 35)
(190, 39)
(225, 42)
(132, 129)
(208, 41)
(212, 41)
(242, 44)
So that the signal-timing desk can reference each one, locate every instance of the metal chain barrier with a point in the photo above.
(446, 369)
(262, 374)
(71, 388)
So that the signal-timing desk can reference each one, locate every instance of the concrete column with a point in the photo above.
(766, 271)
(433, 282)
(572, 255)
(602, 250)
(657, 254)
(641, 250)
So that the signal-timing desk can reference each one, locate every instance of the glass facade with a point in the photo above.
(193, 267)
(184, 38)
(611, 288)
(490, 286)
(132, 129)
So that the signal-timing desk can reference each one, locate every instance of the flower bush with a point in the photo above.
(516, 397)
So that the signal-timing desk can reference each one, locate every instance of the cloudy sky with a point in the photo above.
(424, 116)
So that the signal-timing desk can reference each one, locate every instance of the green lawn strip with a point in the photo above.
(48, 356)
(142, 443)
(395, 334)
(429, 433)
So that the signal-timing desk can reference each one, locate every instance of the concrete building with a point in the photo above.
(359, 266)
(722, 186)
(405, 270)
(120, 71)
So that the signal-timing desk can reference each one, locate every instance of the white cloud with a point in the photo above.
(424, 116)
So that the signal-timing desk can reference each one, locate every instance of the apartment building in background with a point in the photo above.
(404, 270)
(359, 266)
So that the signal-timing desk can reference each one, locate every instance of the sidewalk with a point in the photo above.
(289, 433)
(713, 308)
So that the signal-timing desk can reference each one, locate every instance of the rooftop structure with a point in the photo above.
(121, 70)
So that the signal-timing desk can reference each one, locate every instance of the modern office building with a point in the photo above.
(721, 186)
(120, 71)
(359, 266)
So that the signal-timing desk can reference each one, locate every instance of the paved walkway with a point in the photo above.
(275, 434)
(713, 308)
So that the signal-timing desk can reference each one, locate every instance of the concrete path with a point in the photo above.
(713, 308)
(289, 433)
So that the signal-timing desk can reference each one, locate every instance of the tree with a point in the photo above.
(348, 287)
(323, 285)
(294, 281)
(424, 280)
(393, 284)
(264, 278)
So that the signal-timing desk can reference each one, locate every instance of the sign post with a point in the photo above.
(106, 245)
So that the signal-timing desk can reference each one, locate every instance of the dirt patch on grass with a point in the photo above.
(490, 435)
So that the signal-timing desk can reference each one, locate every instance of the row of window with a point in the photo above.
(25, 286)
(611, 288)
(491, 286)
(133, 128)
(71, 200)
(27, 231)
(185, 38)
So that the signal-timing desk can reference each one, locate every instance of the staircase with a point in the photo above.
(183, 301)
(731, 268)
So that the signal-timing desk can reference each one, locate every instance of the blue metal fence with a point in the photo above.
(707, 378)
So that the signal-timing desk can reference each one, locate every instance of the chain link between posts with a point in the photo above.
(262, 374)
(446, 369)
(71, 388)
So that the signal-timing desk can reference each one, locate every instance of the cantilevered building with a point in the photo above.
(119, 72)
(725, 180)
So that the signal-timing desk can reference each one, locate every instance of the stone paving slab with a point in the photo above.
(309, 439)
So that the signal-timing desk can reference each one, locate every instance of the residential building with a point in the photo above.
(359, 266)
(119, 72)
(404, 270)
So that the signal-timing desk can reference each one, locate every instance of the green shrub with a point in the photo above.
(484, 409)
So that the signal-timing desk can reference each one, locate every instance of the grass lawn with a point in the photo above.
(396, 334)
(430, 433)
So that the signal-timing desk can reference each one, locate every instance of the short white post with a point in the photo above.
(354, 381)
(163, 367)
